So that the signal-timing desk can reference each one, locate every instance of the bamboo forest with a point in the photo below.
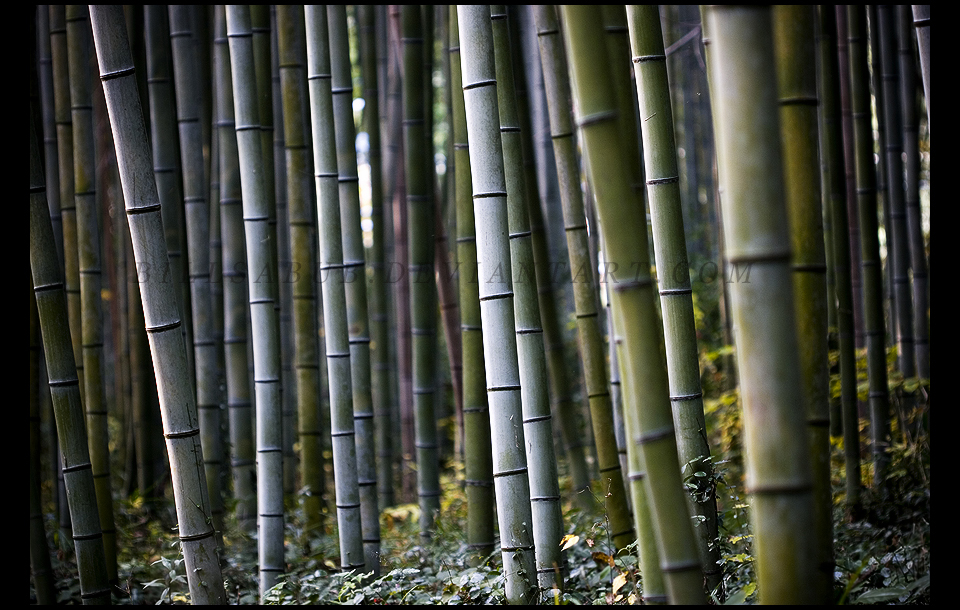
(480, 304)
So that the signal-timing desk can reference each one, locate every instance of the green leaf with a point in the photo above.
(882, 595)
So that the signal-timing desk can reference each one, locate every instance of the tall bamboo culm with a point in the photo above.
(535, 400)
(795, 48)
(478, 461)
(331, 268)
(496, 302)
(676, 296)
(650, 429)
(79, 45)
(778, 472)
(869, 241)
(197, 215)
(423, 298)
(303, 247)
(921, 22)
(177, 402)
(261, 263)
(64, 386)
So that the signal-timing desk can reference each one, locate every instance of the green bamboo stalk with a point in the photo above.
(554, 67)
(233, 260)
(291, 45)
(869, 241)
(186, 75)
(921, 22)
(423, 299)
(625, 245)
(262, 296)
(65, 388)
(377, 301)
(535, 401)
(918, 257)
(79, 46)
(331, 267)
(795, 48)
(778, 471)
(177, 402)
(835, 188)
(676, 297)
(354, 263)
(478, 461)
(496, 302)
(48, 111)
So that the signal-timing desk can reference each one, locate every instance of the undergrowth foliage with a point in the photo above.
(883, 557)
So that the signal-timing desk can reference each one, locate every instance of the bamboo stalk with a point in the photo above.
(331, 267)
(921, 22)
(262, 296)
(496, 302)
(177, 402)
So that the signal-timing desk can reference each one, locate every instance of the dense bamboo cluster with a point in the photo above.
(306, 194)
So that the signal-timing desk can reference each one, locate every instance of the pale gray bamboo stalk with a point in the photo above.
(535, 400)
(239, 406)
(183, 43)
(921, 22)
(177, 401)
(911, 145)
(331, 267)
(496, 303)
(64, 386)
(795, 52)
(778, 472)
(379, 333)
(354, 263)
(80, 44)
(262, 294)
(291, 46)
(676, 296)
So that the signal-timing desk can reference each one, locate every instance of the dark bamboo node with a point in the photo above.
(342, 179)
(669, 180)
(655, 435)
(422, 332)
(318, 76)
(819, 423)
(785, 488)
(155, 207)
(682, 397)
(609, 468)
(643, 58)
(655, 599)
(45, 287)
(597, 117)
(592, 314)
(423, 391)
(105, 76)
(347, 355)
(429, 494)
(636, 476)
(461, 146)
(809, 267)
(247, 128)
(510, 473)
(598, 395)
(520, 234)
(338, 90)
(529, 331)
(565, 134)
(539, 418)
(503, 388)
(763, 257)
(514, 549)
(671, 292)
(453, 49)
(680, 566)
(417, 198)
(877, 394)
(163, 170)
(357, 416)
(483, 409)
(184, 434)
(624, 286)
(77, 467)
(343, 433)
(239, 463)
(490, 194)
(478, 483)
(509, 129)
(239, 35)
(159, 328)
(494, 297)
(231, 201)
(917, 23)
(414, 121)
(800, 100)
(480, 83)
(359, 340)
(544, 498)
(352, 566)
(81, 107)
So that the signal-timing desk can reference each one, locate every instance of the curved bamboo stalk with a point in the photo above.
(535, 401)
(496, 302)
(676, 296)
(262, 297)
(197, 215)
(79, 45)
(478, 461)
(354, 263)
(835, 188)
(794, 46)
(291, 45)
(380, 392)
(239, 405)
(918, 257)
(869, 240)
(423, 299)
(177, 402)
(921, 22)
(65, 388)
(625, 245)
(331, 267)
(778, 472)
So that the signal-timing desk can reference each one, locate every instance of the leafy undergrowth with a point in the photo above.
(882, 549)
